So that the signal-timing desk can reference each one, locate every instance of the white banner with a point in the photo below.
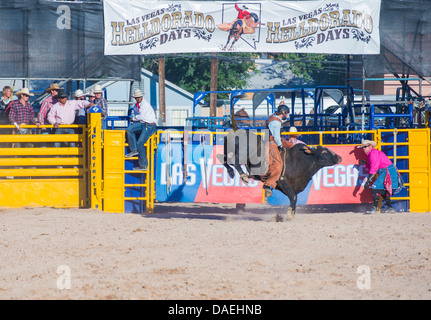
(136, 27)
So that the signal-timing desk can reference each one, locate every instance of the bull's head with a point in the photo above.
(325, 156)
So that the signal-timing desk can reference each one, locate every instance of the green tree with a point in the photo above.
(192, 72)
(314, 67)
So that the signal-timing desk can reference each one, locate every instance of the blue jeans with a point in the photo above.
(46, 131)
(146, 131)
(65, 131)
(27, 144)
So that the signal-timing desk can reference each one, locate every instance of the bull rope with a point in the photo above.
(283, 163)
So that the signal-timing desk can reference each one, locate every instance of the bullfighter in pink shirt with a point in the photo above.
(385, 174)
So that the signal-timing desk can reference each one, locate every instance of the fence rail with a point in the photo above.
(95, 173)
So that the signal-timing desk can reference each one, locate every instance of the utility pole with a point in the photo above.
(162, 105)
(213, 96)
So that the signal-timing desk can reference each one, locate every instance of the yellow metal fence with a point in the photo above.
(35, 173)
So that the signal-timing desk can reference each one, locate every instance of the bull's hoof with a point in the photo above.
(240, 207)
(279, 218)
(290, 214)
(244, 178)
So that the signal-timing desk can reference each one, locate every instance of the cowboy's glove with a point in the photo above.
(281, 148)
(369, 180)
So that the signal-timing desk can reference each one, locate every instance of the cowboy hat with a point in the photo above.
(97, 89)
(61, 94)
(53, 86)
(366, 143)
(24, 91)
(79, 93)
(293, 129)
(90, 94)
(138, 93)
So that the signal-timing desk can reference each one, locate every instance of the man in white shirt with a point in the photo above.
(143, 121)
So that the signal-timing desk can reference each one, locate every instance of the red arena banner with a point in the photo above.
(135, 27)
(207, 180)
(341, 183)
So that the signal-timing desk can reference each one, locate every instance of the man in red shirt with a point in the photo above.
(47, 104)
(21, 111)
(242, 13)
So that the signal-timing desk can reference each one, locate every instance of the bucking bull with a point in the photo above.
(300, 163)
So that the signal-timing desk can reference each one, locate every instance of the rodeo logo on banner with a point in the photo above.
(135, 27)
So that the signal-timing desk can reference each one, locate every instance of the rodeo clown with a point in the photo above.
(383, 171)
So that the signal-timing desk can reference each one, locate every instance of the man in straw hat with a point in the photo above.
(101, 102)
(21, 111)
(46, 106)
(91, 96)
(294, 137)
(81, 117)
(143, 121)
(383, 171)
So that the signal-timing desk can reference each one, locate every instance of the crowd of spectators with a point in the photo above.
(54, 110)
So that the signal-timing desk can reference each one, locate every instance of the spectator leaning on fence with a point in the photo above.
(82, 113)
(4, 119)
(21, 111)
(4, 101)
(63, 112)
(91, 96)
(101, 103)
(46, 106)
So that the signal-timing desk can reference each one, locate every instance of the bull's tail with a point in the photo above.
(232, 113)
(232, 118)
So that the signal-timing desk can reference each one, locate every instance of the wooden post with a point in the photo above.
(162, 105)
(213, 96)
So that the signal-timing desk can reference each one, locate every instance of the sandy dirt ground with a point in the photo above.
(211, 251)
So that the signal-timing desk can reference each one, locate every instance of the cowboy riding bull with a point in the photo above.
(299, 162)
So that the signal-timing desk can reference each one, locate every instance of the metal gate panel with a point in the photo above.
(113, 170)
(419, 177)
(34, 173)
(58, 193)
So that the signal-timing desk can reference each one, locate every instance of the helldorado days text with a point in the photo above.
(126, 35)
